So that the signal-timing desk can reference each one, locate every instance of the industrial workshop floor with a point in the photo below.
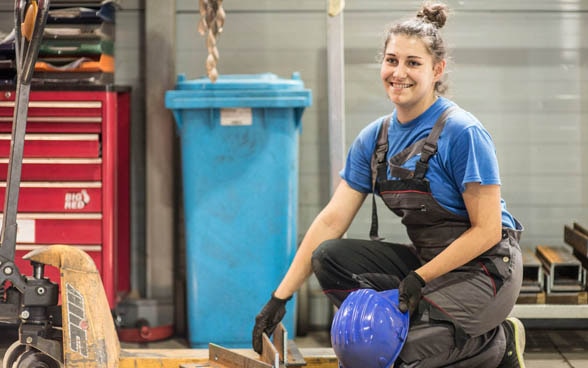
(546, 348)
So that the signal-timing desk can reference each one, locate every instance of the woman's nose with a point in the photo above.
(399, 71)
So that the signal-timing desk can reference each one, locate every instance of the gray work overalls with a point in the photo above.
(458, 322)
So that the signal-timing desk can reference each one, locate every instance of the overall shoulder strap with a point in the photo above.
(430, 144)
(378, 165)
(378, 162)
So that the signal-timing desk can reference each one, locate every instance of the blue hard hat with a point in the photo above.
(368, 330)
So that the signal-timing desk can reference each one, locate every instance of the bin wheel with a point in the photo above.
(303, 310)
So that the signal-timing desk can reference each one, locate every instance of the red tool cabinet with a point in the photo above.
(75, 177)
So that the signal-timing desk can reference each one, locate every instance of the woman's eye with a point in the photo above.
(414, 63)
(391, 61)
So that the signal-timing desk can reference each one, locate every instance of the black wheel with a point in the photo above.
(13, 353)
(35, 359)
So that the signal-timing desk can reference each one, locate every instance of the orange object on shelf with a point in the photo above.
(105, 64)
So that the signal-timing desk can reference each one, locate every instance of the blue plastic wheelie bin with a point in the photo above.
(239, 142)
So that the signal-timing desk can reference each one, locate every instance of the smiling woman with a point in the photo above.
(434, 165)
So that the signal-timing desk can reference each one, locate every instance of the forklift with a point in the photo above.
(70, 325)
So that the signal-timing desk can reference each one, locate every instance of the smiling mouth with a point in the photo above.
(401, 85)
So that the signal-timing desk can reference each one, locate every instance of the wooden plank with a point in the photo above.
(269, 352)
(221, 357)
(192, 358)
(319, 357)
(567, 298)
(531, 298)
(161, 358)
(322, 362)
(281, 343)
(577, 239)
(580, 228)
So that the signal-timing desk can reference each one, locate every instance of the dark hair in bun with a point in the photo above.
(434, 13)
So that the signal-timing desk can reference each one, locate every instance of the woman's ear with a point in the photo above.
(439, 69)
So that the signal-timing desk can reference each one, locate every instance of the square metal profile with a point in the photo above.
(563, 271)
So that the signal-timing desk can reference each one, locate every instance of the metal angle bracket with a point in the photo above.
(279, 354)
(289, 353)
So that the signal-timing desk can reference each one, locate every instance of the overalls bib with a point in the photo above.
(430, 227)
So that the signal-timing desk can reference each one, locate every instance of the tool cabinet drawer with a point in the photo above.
(55, 169)
(57, 228)
(25, 267)
(57, 197)
(52, 116)
(54, 125)
(55, 145)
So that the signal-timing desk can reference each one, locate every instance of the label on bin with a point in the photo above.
(236, 116)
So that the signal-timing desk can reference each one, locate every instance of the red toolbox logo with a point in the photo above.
(76, 200)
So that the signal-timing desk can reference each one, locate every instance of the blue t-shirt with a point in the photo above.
(466, 154)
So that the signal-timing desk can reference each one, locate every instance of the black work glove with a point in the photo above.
(410, 292)
(267, 320)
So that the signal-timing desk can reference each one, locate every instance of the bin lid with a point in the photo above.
(238, 90)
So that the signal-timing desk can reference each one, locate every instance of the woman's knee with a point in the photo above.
(323, 253)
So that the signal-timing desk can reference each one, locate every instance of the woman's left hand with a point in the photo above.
(410, 292)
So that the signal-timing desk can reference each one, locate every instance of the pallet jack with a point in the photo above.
(29, 302)
(70, 325)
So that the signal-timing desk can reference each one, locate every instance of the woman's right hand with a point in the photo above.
(267, 320)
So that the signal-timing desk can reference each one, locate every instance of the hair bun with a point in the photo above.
(434, 13)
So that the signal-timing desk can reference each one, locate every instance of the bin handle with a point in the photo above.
(298, 111)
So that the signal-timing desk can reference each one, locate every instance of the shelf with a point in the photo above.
(550, 311)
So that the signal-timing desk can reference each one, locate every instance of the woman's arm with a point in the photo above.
(485, 213)
(331, 223)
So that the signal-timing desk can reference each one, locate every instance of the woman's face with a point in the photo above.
(409, 75)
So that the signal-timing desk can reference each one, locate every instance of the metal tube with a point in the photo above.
(564, 272)
(533, 278)
(336, 94)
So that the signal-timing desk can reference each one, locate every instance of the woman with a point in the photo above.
(434, 165)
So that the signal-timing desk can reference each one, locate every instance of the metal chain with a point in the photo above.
(212, 19)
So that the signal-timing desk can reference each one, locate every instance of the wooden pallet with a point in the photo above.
(567, 298)
(531, 298)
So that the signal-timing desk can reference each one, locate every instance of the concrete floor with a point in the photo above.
(546, 348)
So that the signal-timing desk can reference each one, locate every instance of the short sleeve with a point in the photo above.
(473, 158)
